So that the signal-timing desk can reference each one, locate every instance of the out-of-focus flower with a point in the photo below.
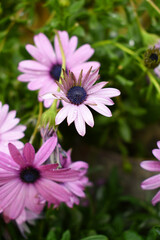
(25, 182)
(152, 57)
(75, 187)
(76, 93)
(157, 69)
(153, 166)
(10, 131)
(25, 218)
(42, 72)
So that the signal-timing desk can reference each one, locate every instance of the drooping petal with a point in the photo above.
(44, 45)
(52, 191)
(156, 153)
(153, 166)
(39, 56)
(151, 183)
(74, 188)
(102, 109)
(85, 66)
(9, 122)
(32, 201)
(96, 87)
(158, 144)
(156, 198)
(17, 157)
(18, 203)
(80, 124)
(62, 114)
(72, 114)
(45, 151)
(110, 92)
(29, 153)
(79, 165)
(9, 192)
(3, 113)
(7, 163)
(32, 65)
(61, 175)
(48, 167)
(87, 115)
(81, 55)
(12, 134)
(72, 45)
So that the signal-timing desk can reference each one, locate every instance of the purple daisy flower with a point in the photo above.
(153, 166)
(26, 183)
(10, 131)
(42, 72)
(75, 187)
(79, 92)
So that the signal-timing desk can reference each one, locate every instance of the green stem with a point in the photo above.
(153, 5)
(134, 55)
(38, 123)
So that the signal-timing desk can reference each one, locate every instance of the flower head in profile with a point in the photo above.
(152, 57)
(26, 183)
(77, 94)
(10, 131)
(42, 72)
(157, 68)
(153, 166)
(75, 188)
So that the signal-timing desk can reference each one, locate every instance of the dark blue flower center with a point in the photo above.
(77, 95)
(55, 71)
(154, 57)
(29, 174)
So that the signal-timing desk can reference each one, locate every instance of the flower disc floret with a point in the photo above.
(77, 95)
(29, 174)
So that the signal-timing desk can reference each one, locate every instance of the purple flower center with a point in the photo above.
(77, 95)
(154, 57)
(29, 174)
(55, 71)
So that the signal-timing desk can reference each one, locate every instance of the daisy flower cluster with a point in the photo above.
(30, 180)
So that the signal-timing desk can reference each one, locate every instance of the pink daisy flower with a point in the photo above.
(10, 131)
(25, 182)
(153, 166)
(75, 187)
(42, 72)
(79, 92)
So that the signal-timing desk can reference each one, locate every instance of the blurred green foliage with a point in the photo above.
(119, 31)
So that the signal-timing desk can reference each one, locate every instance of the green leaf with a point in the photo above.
(96, 237)
(124, 130)
(51, 235)
(76, 6)
(131, 235)
(66, 235)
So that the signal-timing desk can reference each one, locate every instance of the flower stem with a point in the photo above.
(62, 54)
(134, 55)
(38, 122)
(154, 6)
